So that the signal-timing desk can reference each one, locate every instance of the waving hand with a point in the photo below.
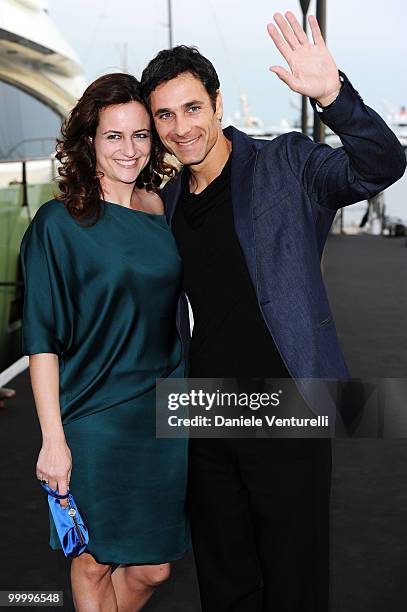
(313, 71)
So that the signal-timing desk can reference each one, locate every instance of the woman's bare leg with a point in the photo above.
(134, 584)
(92, 587)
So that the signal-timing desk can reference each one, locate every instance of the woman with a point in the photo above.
(102, 279)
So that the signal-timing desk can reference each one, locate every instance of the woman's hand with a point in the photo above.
(5, 394)
(55, 465)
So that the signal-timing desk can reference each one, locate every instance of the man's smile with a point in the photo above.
(187, 143)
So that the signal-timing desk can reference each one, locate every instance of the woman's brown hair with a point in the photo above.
(79, 182)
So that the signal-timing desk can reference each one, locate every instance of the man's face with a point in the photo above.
(185, 120)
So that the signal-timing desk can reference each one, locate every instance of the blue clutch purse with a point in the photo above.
(71, 530)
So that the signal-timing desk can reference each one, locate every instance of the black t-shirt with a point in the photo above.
(230, 337)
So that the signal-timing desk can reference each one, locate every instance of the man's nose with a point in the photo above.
(182, 126)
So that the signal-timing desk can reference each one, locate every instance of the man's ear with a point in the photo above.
(219, 105)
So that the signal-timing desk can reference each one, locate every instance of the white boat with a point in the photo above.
(35, 58)
(398, 122)
(253, 126)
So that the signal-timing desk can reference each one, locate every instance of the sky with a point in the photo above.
(367, 38)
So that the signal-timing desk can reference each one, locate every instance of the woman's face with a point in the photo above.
(122, 142)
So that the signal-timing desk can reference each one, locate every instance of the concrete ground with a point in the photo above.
(367, 284)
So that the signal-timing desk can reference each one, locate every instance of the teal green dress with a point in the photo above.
(103, 298)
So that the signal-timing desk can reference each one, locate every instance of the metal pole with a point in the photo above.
(319, 128)
(25, 191)
(170, 24)
(24, 182)
(304, 99)
(383, 219)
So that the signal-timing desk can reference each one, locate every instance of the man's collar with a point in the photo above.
(242, 144)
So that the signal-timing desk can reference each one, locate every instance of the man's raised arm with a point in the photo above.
(371, 158)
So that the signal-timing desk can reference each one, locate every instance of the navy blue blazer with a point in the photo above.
(285, 193)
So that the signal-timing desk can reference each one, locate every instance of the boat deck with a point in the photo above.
(367, 285)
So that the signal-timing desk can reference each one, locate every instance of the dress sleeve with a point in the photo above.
(44, 325)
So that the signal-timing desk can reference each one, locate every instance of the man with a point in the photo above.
(250, 219)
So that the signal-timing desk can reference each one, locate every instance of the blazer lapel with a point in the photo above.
(244, 157)
(171, 195)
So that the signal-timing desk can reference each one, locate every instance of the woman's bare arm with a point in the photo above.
(54, 461)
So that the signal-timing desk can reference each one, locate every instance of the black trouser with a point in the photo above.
(260, 523)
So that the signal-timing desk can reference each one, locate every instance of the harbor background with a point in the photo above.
(233, 35)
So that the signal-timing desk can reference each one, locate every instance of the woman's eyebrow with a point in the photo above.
(119, 132)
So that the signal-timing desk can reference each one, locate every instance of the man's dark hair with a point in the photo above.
(170, 63)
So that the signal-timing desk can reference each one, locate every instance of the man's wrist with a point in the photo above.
(324, 102)
(328, 101)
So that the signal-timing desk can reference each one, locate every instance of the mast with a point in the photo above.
(170, 24)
